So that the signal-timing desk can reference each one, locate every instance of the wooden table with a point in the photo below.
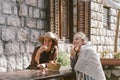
(37, 75)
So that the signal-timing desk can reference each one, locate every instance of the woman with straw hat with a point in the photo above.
(46, 52)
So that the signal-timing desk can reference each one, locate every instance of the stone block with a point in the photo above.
(12, 48)
(15, 10)
(93, 14)
(22, 22)
(31, 23)
(11, 64)
(14, 0)
(3, 69)
(13, 21)
(116, 72)
(99, 16)
(29, 48)
(19, 62)
(31, 2)
(22, 48)
(7, 8)
(22, 35)
(34, 36)
(26, 60)
(1, 47)
(23, 11)
(42, 14)
(41, 4)
(36, 13)
(20, 1)
(2, 20)
(0, 8)
(94, 23)
(40, 24)
(8, 33)
(30, 12)
(113, 12)
(108, 73)
(3, 63)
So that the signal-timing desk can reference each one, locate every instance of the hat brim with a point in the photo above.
(41, 38)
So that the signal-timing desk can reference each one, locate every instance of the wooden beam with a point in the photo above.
(117, 31)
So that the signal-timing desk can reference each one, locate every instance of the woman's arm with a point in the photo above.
(73, 57)
(54, 54)
(72, 62)
(33, 62)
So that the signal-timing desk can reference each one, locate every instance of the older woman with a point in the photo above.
(46, 52)
(84, 59)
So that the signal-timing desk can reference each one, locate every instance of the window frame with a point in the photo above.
(56, 17)
(106, 18)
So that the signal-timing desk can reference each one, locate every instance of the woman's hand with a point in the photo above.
(42, 48)
(52, 62)
(72, 51)
(41, 66)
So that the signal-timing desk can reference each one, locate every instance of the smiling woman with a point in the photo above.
(84, 59)
(45, 53)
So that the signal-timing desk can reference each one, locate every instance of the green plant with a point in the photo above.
(63, 58)
(104, 53)
(117, 55)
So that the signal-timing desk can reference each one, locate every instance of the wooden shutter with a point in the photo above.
(61, 17)
(54, 16)
(84, 16)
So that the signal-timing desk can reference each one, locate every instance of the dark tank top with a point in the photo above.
(45, 57)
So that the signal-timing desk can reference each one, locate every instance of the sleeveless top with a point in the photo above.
(45, 57)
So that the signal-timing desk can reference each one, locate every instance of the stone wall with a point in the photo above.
(112, 72)
(21, 22)
(103, 38)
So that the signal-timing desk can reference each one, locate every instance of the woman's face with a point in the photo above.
(77, 41)
(48, 43)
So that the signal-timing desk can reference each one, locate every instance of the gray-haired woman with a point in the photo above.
(84, 59)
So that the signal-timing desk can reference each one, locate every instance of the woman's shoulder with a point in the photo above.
(37, 47)
(55, 47)
(88, 49)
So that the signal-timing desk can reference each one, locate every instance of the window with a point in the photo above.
(61, 20)
(61, 17)
(84, 17)
(106, 17)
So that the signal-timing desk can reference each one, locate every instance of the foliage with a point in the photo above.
(104, 53)
(117, 55)
(63, 58)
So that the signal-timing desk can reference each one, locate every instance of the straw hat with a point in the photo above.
(49, 35)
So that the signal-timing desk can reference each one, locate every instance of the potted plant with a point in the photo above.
(63, 58)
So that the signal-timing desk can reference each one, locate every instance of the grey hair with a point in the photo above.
(83, 36)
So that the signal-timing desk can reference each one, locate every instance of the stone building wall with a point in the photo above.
(102, 38)
(21, 22)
